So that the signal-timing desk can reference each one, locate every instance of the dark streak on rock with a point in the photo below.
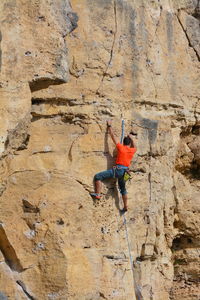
(3, 297)
(169, 26)
(8, 252)
(196, 13)
(188, 38)
(112, 47)
(43, 83)
(24, 143)
(134, 46)
(29, 208)
(114, 257)
(20, 283)
(54, 101)
(73, 18)
(152, 129)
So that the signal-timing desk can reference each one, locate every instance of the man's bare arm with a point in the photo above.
(110, 131)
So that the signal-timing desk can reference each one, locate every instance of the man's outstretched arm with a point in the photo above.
(110, 131)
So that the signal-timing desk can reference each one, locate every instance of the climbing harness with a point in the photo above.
(126, 169)
(137, 291)
(126, 176)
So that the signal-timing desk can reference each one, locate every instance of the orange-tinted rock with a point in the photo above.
(59, 84)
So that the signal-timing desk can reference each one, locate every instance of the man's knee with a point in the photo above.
(97, 177)
(122, 188)
(104, 175)
(123, 192)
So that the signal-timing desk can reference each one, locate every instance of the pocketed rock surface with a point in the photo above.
(66, 68)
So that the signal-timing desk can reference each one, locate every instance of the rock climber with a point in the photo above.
(125, 154)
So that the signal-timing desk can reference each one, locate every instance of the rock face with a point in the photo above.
(65, 69)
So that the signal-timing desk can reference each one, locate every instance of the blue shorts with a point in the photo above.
(114, 173)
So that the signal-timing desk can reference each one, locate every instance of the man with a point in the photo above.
(125, 154)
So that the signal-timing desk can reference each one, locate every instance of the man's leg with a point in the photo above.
(99, 177)
(125, 200)
(122, 187)
(97, 185)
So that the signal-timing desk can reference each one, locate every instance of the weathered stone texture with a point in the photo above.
(65, 69)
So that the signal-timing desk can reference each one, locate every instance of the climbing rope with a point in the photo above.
(137, 291)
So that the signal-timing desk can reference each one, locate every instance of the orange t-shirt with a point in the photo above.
(124, 155)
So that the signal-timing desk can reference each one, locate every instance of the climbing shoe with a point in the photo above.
(96, 196)
(122, 211)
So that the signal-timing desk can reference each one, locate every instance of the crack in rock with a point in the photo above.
(9, 252)
(187, 37)
(112, 48)
(29, 208)
(20, 283)
(41, 83)
(85, 186)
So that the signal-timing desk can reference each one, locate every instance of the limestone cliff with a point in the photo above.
(65, 69)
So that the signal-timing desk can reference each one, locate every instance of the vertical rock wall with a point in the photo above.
(65, 69)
